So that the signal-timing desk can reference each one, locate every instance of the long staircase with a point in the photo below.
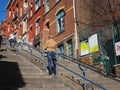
(26, 72)
(17, 73)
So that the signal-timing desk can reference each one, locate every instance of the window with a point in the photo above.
(25, 3)
(38, 4)
(60, 21)
(47, 6)
(24, 25)
(37, 26)
(60, 51)
(69, 48)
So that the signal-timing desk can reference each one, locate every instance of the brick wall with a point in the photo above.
(67, 6)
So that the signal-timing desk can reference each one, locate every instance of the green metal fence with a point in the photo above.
(107, 38)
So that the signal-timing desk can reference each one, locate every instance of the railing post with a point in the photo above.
(21, 45)
(17, 48)
(113, 41)
(31, 50)
(84, 75)
(56, 69)
(85, 86)
(44, 62)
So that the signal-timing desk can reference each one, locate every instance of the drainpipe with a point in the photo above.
(76, 39)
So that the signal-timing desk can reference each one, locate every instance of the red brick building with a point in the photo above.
(25, 19)
(33, 20)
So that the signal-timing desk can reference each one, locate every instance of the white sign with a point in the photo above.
(117, 48)
(93, 43)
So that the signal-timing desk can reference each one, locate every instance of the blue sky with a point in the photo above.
(3, 10)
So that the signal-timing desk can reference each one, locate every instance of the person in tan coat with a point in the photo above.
(51, 47)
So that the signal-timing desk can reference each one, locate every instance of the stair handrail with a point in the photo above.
(31, 48)
(44, 54)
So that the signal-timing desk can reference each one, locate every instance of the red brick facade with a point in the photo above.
(22, 19)
(62, 38)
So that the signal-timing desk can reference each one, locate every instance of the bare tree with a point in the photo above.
(97, 13)
(100, 14)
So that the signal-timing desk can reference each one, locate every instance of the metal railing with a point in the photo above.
(41, 56)
(108, 36)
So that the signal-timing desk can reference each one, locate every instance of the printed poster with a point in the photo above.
(117, 48)
(84, 48)
(93, 44)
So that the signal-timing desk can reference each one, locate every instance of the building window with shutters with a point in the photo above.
(60, 21)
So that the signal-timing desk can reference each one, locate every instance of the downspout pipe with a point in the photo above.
(76, 34)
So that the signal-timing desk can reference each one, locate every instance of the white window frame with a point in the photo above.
(60, 20)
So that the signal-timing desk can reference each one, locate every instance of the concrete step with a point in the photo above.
(28, 86)
(43, 81)
(29, 68)
(31, 88)
(44, 85)
(14, 60)
(108, 88)
(14, 76)
(16, 69)
(111, 85)
(32, 75)
(105, 80)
